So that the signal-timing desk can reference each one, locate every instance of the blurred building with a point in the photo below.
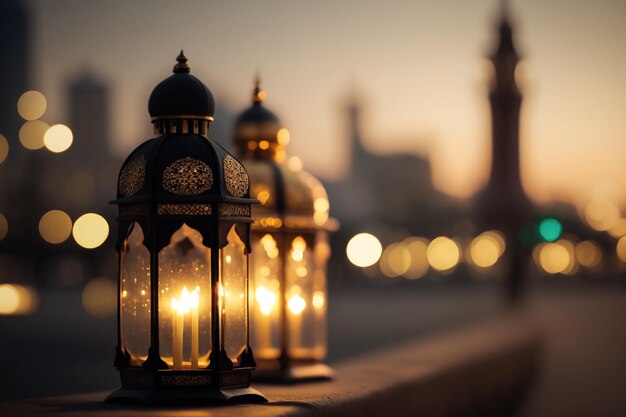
(393, 190)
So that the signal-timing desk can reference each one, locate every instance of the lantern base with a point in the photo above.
(182, 396)
(182, 386)
(294, 374)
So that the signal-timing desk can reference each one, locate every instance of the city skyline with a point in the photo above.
(421, 73)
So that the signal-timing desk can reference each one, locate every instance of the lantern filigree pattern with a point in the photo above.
(185, 209)
(132, 176)
(187, 176)
(235, 177)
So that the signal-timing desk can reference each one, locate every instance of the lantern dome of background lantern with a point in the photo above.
(181, 94)
(256, 126)
(283, 189)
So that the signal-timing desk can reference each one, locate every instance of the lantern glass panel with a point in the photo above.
(135, 296)
(185, 301)
(266, 299)
(319, 299)
(299, 265)
(233, 295)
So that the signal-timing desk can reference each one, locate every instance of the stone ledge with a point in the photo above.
(481, 370)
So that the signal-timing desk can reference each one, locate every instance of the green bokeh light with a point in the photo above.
(550, 229)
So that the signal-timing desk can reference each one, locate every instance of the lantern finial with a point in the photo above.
(182, 65)
(258, 95)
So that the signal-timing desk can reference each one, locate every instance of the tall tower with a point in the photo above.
(503, 203)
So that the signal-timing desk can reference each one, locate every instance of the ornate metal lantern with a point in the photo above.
(288, 297)
(184, 227)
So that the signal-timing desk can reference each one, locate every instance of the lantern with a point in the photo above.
(288, 296)
(184, 226)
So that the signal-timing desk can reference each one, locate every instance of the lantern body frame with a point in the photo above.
(189, 198)
(295, 326)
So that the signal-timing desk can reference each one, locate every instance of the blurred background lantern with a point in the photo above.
(184, 226)
(290, 250)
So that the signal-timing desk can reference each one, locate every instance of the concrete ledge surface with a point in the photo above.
(481, 370)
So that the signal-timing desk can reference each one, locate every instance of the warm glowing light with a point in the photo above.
(31, 105)
(296, 304)
(417, 248)
(266, 300)
(619, 229)
(58, 138)
(32, 134)
(4, 148)
(90, 230)
(320, 217)
(55, 226)
(17, 299)
(497, 237)
(186, 302)
(443, 254)
(602, 215)
(294, 164)
(264, 145)
(484, 251)
(283, 137)
(364, 250)
(319, 300)
(321, 204)
(125, 293)
(4, 226)
(550, 229)
(262, 95)
(395, 260)
(99, 297)
(621, 249)
(263, 196)
(9, 299)
(554, 258)
(588, 254)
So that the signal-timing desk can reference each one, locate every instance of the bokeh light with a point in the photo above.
(417, 248)
(621, 249)
(31, 105)
(364, 250)
(4, 226)
(90, 230)
(588, 254)
(100, 297)
(557, 257)
(484, 251)
(618, 229)
(294, 164)
(602, 215)
(55, 226)
(32, 134)
(550, 229)
(4, 148)
(283, 137)
(296, 304)
(17, 299)
(9, 299)
(395, 260)
(58, 138)
(443, 253)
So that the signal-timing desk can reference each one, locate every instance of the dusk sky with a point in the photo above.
(419, 69)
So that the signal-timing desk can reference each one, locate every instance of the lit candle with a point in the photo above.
(296, 306)
(178, 317)
(194, 329)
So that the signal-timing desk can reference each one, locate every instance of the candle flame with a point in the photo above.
(187, 301)
(266, 300)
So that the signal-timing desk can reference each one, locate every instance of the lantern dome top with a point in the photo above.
(181, 95)
(181, 169)
(257, 128)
